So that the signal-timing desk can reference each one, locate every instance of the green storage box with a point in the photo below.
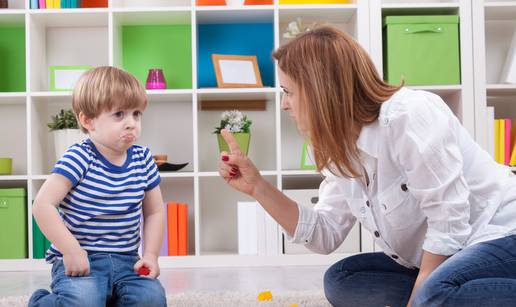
(422, 50)
(13, 224)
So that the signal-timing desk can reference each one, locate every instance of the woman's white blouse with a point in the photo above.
(431, 187)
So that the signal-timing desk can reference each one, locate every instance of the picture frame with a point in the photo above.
(307, 158)
(236, 71)
(63, 78)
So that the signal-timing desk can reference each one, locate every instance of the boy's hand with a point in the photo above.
(76, 263)
(151, 263)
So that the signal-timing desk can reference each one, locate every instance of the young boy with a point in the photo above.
(101, 187)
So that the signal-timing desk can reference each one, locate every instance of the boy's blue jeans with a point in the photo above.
(483, 274)
(111, 282)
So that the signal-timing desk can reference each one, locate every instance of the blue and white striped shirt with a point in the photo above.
(103, 209)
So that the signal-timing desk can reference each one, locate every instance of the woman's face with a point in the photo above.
(290, 97)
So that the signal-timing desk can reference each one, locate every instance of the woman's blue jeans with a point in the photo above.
(111, 282)
(483, 275)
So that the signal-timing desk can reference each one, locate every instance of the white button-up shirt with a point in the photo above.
(431, 187)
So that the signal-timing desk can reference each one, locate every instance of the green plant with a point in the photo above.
(235, 122)
(63, 120)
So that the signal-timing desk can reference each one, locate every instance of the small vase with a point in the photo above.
(156, 80)
(242, 139)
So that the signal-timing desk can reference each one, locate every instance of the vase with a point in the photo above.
(156, 80)
(242, 140)
(65, 138)
(6, 166)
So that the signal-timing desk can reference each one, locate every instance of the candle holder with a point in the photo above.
(156, 80)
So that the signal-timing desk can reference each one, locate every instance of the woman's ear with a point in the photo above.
(85, 121)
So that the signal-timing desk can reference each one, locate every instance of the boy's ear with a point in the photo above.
(85, 121)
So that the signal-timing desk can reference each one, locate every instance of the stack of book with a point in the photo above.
(66, 4)
(257, 231)
(502, 137)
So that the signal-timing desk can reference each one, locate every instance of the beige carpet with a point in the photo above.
(215, 299)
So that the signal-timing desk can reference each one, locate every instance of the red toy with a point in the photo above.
(143, 270)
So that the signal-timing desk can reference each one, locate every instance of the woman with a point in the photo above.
(398, 161)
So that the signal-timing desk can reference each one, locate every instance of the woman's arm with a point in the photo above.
(241, 174)
(429, 263)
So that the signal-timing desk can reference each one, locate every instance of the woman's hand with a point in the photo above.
(237, 169)
(76, 263)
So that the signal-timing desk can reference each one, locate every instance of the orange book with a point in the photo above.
(172, 216)
(94, 3)
(182, 214)
(210, 2)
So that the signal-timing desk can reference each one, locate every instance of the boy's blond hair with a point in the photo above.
(104, 89)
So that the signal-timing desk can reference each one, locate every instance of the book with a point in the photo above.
(42, 4)
(57, 4)
(172, 215)
(257, 230)
(497, 140)
(507, 143)
(49, 4)
(490, 131)
(247, 228)
(164, 244)
(38, 241)
(34, 4)
(182, 232)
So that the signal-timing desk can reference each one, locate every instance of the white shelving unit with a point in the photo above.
(174, 123)
(496, 22)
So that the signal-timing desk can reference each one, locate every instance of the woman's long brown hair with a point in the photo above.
(340, 92)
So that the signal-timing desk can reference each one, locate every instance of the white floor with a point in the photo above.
(280, 279)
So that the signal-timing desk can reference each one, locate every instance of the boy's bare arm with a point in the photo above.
(153, 221)
(51, 193)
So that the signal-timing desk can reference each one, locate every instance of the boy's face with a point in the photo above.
(117, 129)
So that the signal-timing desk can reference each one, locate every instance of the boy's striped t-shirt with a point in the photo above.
(103, 209)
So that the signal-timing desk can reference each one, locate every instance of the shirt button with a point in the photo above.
(394, 256)
(367, 203)
(404, 187)
(376, 234)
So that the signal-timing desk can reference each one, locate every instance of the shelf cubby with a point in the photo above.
(12, 53)
(146, 4)
(146, 40)
(13, 140)
(218, 216)
(42, 146)
(72, 37)
(162, 122)
(182, 190)
(262, 149)
(343, 16)
(220, 32)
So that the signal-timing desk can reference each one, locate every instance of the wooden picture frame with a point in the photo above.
(307, 157)
(236, 71)
(63, 78)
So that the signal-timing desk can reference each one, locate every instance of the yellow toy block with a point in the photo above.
(265, 296)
